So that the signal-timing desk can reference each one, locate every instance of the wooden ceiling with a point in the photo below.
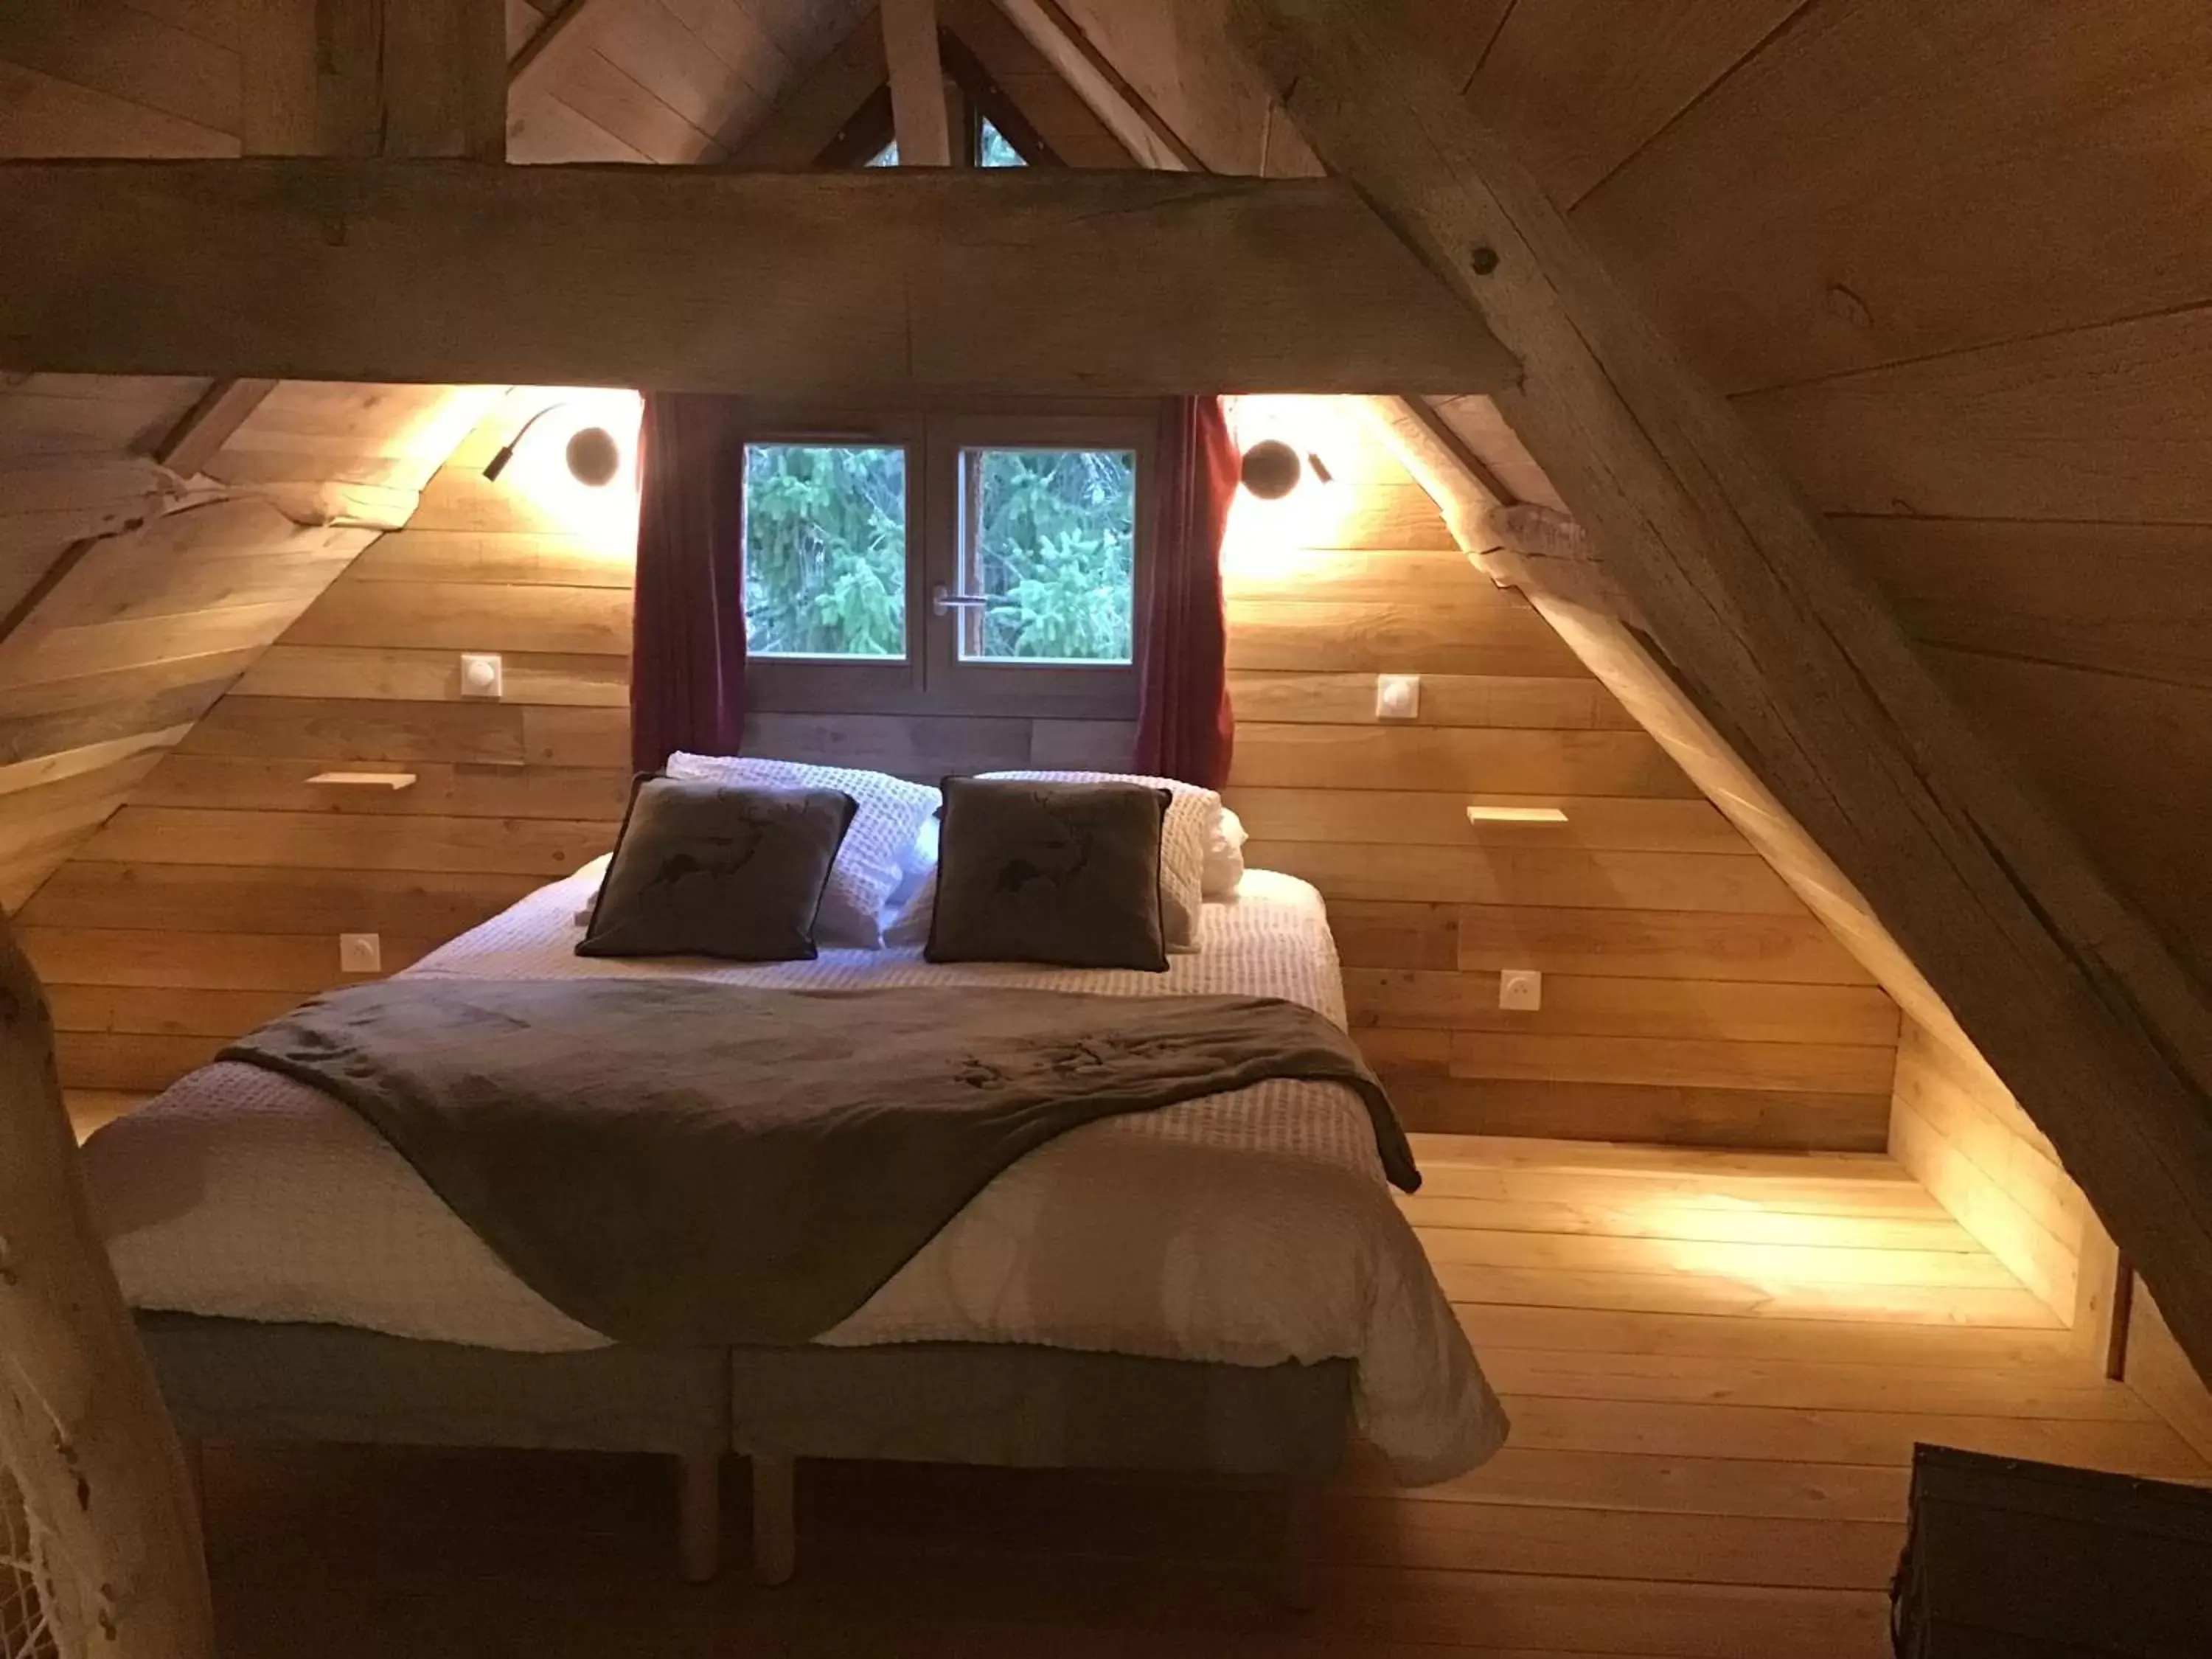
(1950, 262)
(132, 594)
(1955, 266)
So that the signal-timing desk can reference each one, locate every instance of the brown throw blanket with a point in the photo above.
(670, 1161)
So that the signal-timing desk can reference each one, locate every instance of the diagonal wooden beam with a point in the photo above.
(822, 285)
(1102, 86)
(559, 41)
(207, 426)
(917, 75)
(1780, 642)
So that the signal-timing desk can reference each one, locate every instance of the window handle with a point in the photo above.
(942, 602)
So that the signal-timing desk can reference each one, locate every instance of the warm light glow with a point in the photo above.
(1266, 538)
(367, 780)
(605, 517)
(1514, 815)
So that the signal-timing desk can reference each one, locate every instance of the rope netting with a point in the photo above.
(25, 1632)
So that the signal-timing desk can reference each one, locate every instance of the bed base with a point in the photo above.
(1000, 1404)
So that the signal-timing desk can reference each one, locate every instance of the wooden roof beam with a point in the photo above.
(823, 285)
(918, 115)
(1778, 641)
(376, 77)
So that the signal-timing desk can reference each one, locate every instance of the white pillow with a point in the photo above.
(1225, 856)
(874, 857)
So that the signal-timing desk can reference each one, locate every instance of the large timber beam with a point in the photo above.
(867, 283)
(1791, 654)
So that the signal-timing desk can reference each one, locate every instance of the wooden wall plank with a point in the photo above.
(1676, 1116)
(48, 115)
(405, 675)
(1580, 1005)
(1385, 816)
(931, 268)
(1965, 1138)
(1631, 73)
(1658, 943)
(2117, 599)
(182, 898)
(1447, 699)
(1730, 1014)
(112, 48)
(1568, 877)
(1512, 762)
(2101, 423)
(2124, 761)
(1885, 180)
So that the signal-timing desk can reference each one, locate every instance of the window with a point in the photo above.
(1048, 542)
(885, 157)
(984, 561)
(993, 149)
(825, 551)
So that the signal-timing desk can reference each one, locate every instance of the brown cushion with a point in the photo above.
(718, 870)
(1067, 873)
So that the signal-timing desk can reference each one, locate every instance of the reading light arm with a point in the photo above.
(498, 463)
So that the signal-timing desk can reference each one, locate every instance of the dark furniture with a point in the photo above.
(2008, 1559)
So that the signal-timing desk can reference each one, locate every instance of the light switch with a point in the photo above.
(482, 675)
(1397, 697)
(1521, 989)
(361, 953)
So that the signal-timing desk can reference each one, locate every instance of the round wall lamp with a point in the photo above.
(1272, 469)
(594, 456)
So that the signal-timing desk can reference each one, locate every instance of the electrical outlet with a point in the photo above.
(1397, 697)
(361, 953)
(482, 675)
(1521, 989)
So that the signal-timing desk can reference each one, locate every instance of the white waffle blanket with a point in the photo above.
(1248, 1228)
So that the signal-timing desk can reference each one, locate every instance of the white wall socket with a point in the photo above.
(1521, 988)
(1397, 697)
(361, 953)
(482, 675)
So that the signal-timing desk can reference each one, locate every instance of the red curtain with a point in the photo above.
(687, 680)
(1185, 729)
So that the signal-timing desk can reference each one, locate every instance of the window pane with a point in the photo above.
(825, 551)
(1049, 540)
(885, 157)
(993, 150)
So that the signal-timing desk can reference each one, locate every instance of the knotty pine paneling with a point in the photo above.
(1689, 995)
(669, 81)
(1960, 1132)
(225, 879)
(1952, 262)
(1692, 997)
(224, 882)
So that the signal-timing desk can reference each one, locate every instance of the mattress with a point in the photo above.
(1248, 1228)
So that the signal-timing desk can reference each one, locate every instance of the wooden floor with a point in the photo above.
(1716, 1365)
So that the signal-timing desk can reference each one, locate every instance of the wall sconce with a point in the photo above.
(1272, 469)
(594, 456)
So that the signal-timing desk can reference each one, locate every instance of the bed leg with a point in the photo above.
(776, 1527)
(1295, 1569)
(698, 1516)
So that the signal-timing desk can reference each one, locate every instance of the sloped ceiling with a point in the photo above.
(133, 594)
(1955, 264)
(1952, 262)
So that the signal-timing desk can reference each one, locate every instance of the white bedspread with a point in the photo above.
(1248, 1228)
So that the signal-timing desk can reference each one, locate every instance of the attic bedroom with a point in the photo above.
(1048, 826)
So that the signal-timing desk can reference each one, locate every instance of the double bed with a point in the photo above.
(1222, 1284)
